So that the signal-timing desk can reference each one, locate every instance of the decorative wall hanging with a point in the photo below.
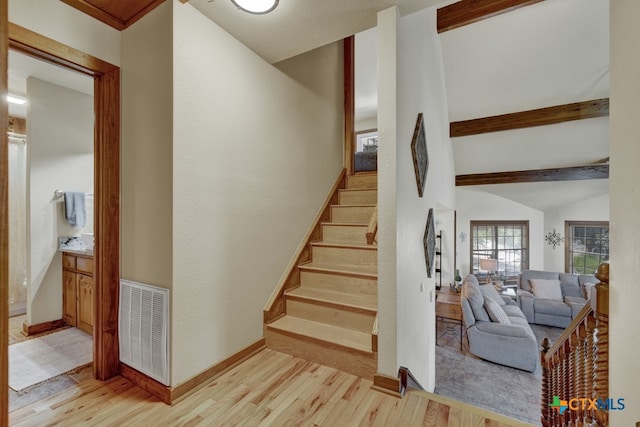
(429, 242)
(420, 155)
(553, 238)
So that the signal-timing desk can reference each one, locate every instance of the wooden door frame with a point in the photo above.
(349, 102)
(4, 220)
(106, 187)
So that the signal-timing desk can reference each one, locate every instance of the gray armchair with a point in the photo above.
(511, 343)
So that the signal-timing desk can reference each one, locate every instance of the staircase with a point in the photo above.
(330, 317)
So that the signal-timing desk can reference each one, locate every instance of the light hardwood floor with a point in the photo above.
(271, 388)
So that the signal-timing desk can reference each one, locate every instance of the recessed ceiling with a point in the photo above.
(117, 13)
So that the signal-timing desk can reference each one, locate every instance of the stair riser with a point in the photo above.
(358, 197)
(351, 214)
(344, 233)
(344, 256)
(354, 362)
(343, 317)
(339, 283)
(362, 181)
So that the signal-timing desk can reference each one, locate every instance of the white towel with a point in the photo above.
(74, 208)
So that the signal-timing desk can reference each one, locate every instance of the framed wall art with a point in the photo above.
(420, 155)
(429, 242)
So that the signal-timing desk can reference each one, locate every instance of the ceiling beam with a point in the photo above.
(531, 118)
(539, 175)
(469, 11)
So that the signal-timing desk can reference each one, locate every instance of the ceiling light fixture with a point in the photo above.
(16, 99)
(257, 7)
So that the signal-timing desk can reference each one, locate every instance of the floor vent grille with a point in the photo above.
(143, 329)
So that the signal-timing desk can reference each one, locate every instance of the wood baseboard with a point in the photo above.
(396, 386)
(39, 328)
(146, 383)
(387, 384)
(171, 395)
(180, 391)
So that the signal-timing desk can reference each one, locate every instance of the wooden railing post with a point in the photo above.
(600, 305)
(545, 418)
(576, 367)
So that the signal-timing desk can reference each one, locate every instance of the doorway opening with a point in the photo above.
(106, 149)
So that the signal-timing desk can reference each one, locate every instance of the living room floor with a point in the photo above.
(467, 378)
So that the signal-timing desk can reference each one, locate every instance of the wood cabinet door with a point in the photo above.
(69, 298)
(85, 303)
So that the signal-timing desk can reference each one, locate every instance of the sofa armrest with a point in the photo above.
(525, 299)
(502, 329)
(525, 294)
(575, 300)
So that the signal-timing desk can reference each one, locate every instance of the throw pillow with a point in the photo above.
(547, 289)
(496, 313)
(490, 291)
(471, 291)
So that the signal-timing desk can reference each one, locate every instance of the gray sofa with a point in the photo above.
(510, 341)
(556, 312)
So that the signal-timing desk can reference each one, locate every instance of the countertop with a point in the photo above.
(85, 252)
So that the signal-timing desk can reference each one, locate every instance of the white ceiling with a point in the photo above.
(551, 53)
(297, 26)
(21, 66)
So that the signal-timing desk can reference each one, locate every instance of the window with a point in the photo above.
(506, 241)
(586, 245)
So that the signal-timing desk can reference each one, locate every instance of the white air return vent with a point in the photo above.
(143, 329)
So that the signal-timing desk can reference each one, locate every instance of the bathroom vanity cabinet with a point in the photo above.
(77, 290)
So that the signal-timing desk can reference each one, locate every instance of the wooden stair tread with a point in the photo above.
(344, 245)
(359, 205)
(348, 338)
(346, 224)
(357, 301)
(370, 271)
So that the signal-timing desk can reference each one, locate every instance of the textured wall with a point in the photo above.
(256, 149)
(624, 375)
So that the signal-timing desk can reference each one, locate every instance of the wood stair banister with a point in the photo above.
(373, 227)
(577, 365)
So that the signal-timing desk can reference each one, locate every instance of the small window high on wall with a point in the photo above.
(586, 245)
(505, 241)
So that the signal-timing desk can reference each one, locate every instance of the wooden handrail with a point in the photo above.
(575, 369)
(373, 227)
(275, 306)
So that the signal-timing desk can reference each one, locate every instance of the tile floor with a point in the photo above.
(467, 378)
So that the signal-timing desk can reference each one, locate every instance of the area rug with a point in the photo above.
(38, 359)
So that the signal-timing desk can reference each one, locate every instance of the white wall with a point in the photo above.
(473, 205)
(624, 338)
(256, 150)
(412, 45)
(67, 25)
(147, 150)
(60, 153)
(387, 195)
(594, 209)
(366, 80)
